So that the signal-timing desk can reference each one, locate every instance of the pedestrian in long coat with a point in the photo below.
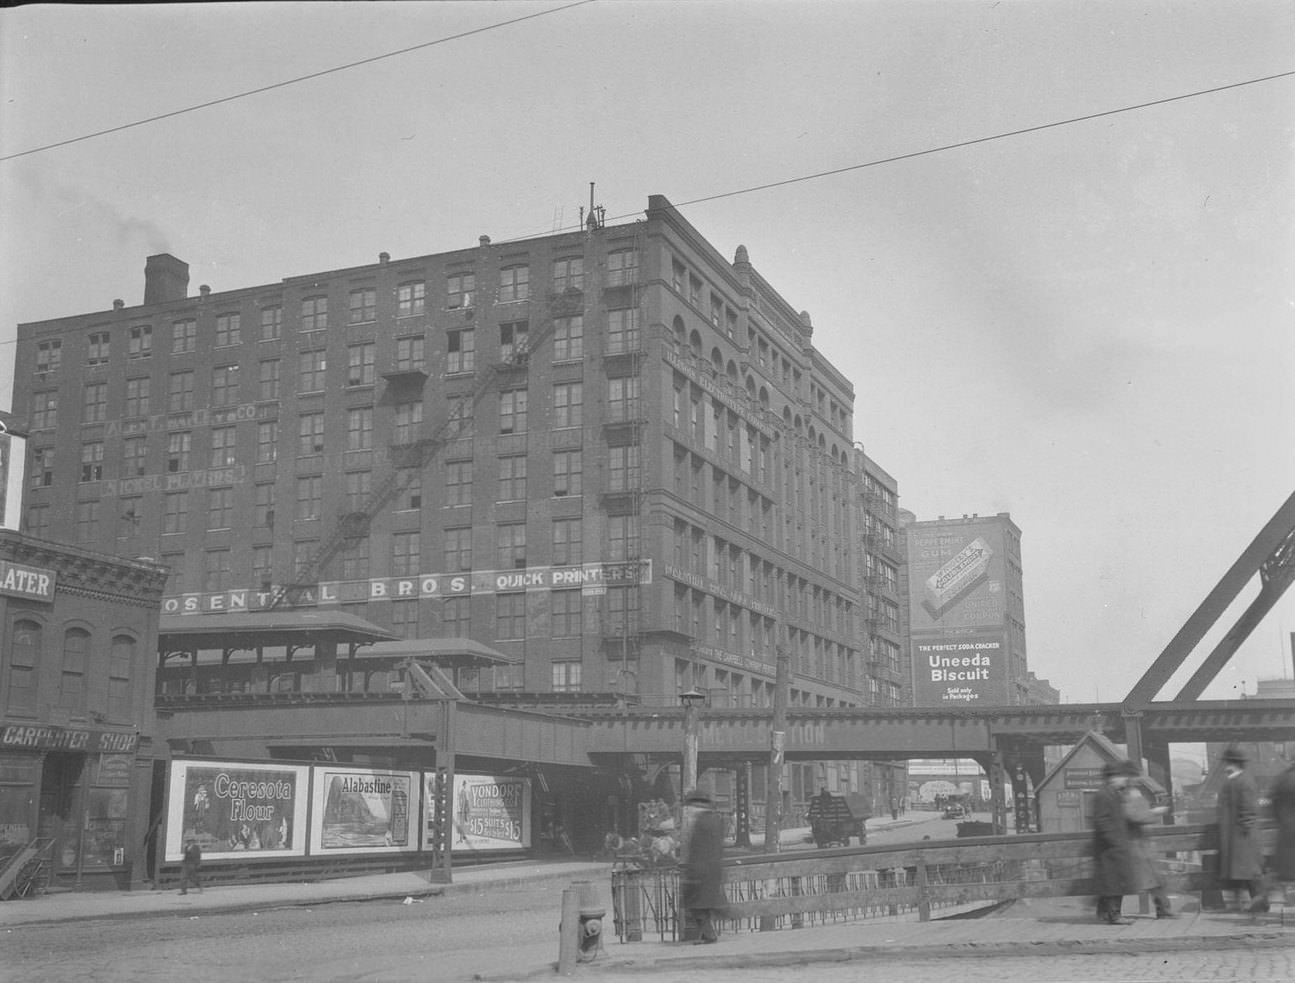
(701, 868)
(1283, 805)
(1111, 843)
(1240, 856)
(1143, 874)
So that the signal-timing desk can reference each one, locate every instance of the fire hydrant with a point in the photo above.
(580, 932)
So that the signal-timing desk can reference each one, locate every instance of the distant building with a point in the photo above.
(966, 609)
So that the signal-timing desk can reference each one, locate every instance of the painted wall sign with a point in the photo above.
(20, 580)
(49, 738)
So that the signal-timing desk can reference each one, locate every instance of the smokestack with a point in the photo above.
(165, 278)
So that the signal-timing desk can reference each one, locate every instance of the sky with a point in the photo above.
(1087, 325)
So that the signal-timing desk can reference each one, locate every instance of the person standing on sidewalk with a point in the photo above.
(1111, 843)
(1143, 876)
(1282, 796)
(701, 868)
(191, 867)
(1240, 858)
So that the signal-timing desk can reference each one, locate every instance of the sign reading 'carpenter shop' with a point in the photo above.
(48, 738)
(18, 580)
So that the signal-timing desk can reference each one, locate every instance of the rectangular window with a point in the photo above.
(511, 543)
(405, 552)
(568, 404)
(458, 549)
(179, 452)
(220, 509)
(623, 399)
(44, 411)
(568, 338)
(310, 434)
(311, 371)
(566, 607)
(76, 651)
(49, 355)
(358, 484)
(622, 330)
(263, 506)
(514, 283)
(92, 462)
(355, 562)
(566, 676)
(622, 267)
(224, 385)
(95, 406)
(359, 428)
(568, 473)
(716, 310)
(512, 340)
(134, 452)
(314, 313)
(310, 497)
(459, 289)
(359, 365)
(512, 479)
(263, 566)
(139, 344)
(461, 350)
(267, 441)
(409, 422)
(510, 616)
(87, 521)
(456, 613)
(512, 411)
(175, 512)
(458, 483)
(37, 523)
(184, 336)
(269, 379)
(623, 537)
(622, 610)
(363, 306)
(410, 494)
(271, 323)
(97, 352)
(404, 619)
(568, 542)
(223, 441)
(623, 468)
(137, 396)
(569, 274)
(411, 298)
(179, 392)
(229, 330)
(410, 353)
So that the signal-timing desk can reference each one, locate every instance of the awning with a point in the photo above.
(249, 629)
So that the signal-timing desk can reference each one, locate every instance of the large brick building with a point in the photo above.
(663, 490)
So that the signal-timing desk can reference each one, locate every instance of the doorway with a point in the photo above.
(60, 805)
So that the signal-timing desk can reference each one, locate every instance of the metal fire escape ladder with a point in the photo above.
(408, 461)
(1272, 556)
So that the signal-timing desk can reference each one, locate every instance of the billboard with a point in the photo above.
(363, 810)
(968, 669)
(956, 572)
(488, 812)
(232, 808)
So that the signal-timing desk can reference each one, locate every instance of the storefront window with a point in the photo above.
(18, 776)
(105, 811)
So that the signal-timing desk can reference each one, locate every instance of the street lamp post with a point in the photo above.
(692, 702)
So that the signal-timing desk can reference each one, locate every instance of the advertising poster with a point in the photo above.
(951, 670)
(232, 808)
(362, 810)
(957, 576)
(490, 812)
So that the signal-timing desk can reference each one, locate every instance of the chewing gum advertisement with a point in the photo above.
(957, 573)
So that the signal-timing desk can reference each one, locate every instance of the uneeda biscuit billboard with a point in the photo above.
(953, 670)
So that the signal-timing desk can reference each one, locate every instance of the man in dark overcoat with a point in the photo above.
(701, 868)
(1111, 843)
(1283, 805)
(1240, 856)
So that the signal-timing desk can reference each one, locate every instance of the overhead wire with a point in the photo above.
(293, 81)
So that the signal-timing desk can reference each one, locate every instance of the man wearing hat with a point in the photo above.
(1111, 842)
(701, 871)
(1240, 856)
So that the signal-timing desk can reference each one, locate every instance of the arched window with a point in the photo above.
(764, 397)
(731, 371)
(76, 657)
(680, 332)
(717, 359)
(24, 657)
(121, 660)
(694, 342)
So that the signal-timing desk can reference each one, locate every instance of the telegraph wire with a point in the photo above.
(292, 81)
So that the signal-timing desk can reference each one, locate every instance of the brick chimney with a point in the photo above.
(165, 278)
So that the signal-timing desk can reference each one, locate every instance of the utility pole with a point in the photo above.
(777, 739)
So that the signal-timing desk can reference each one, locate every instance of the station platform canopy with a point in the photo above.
(450, 653)
(250, 629)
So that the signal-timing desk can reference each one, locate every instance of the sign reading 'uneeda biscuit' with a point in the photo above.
(959, 669)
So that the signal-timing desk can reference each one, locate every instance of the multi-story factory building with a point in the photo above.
(610, 454)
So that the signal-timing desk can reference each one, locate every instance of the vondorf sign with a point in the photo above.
(35, 583)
